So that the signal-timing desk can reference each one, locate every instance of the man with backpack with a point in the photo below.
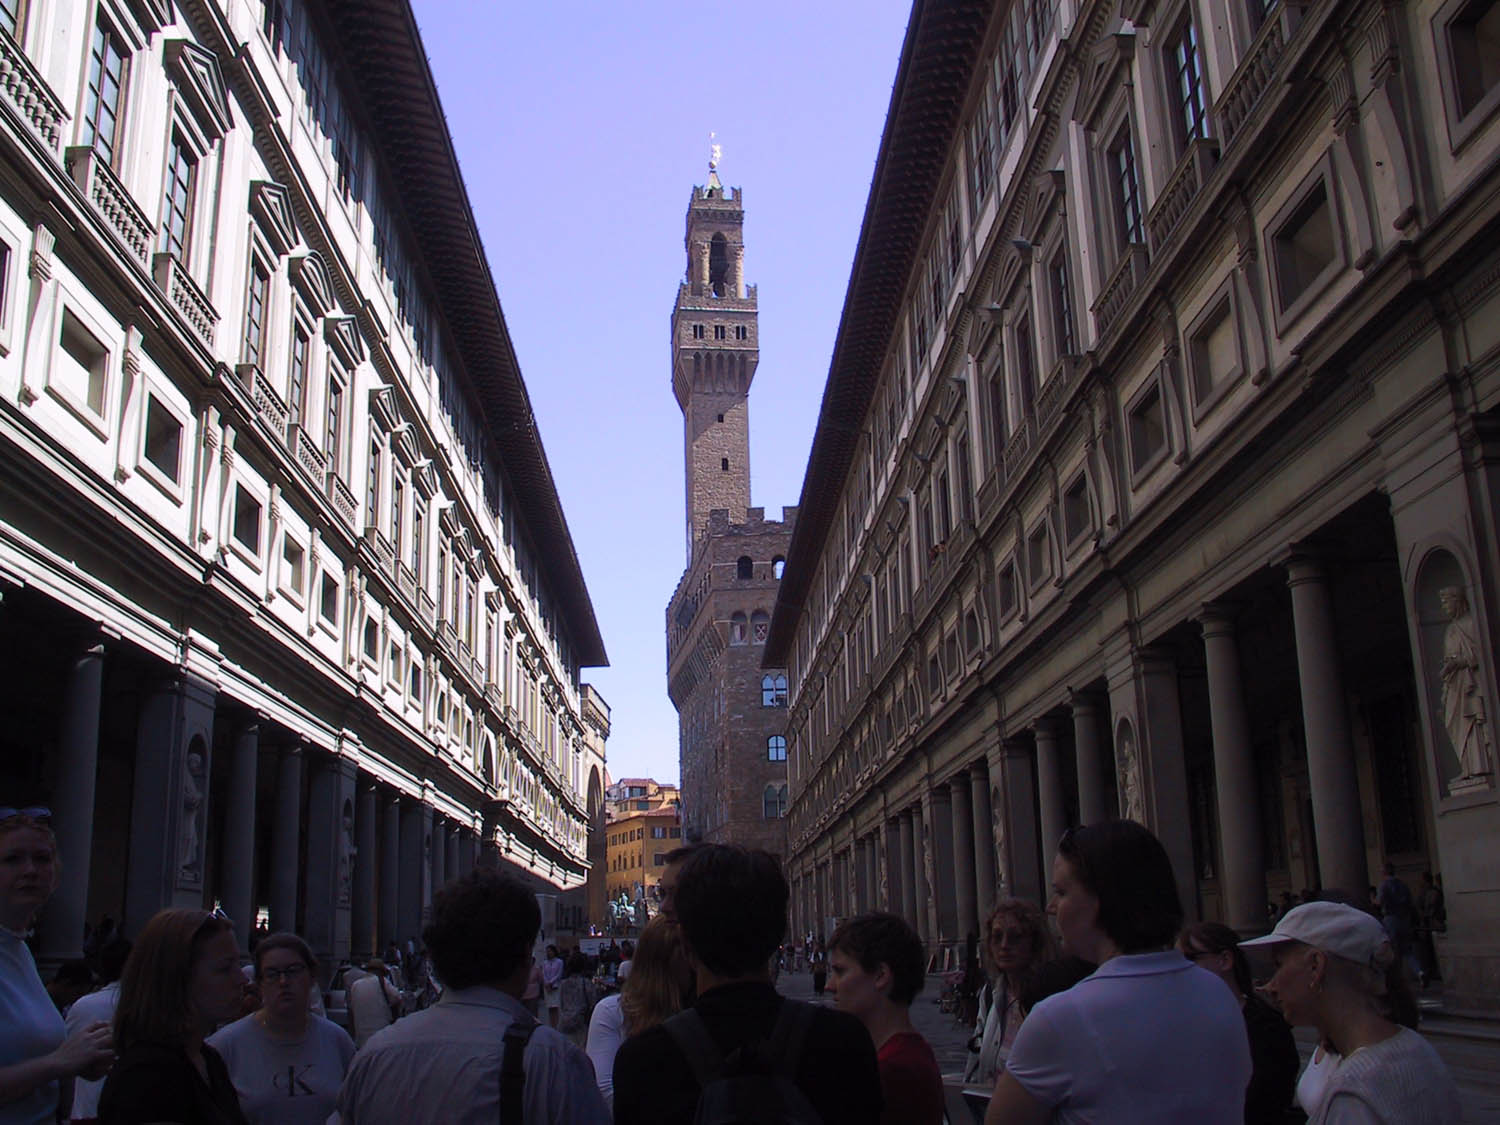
(476, 1056)
(743, 1054)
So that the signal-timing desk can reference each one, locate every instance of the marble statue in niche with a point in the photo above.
(1127, 761)
(347, 852)
(192, 802)
(1463, 701)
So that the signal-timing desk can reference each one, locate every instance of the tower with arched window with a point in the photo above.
(715, 348)
(731, 711)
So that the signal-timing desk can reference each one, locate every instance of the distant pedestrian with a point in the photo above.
(1270, 1099)
(97, 1007)
(1331, 967)
(1432, 918)
(286, 1063)
(819, 968)
(182, 980)
(531, 994)
(36, 1053)
(455, 1062)
(741, 1042)
(877, 965)
(373, 1002)
(1017, 944)
(1398, 914)
(1146, 1029)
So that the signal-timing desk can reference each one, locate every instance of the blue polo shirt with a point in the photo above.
(1149, 1038)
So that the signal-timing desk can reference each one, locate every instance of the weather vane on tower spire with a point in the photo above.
(715, 152)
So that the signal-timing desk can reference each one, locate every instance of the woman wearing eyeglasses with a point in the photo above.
(1146, 1038)
(182, 980)
(286, 1063)
(35, 1053)
(1018, 943)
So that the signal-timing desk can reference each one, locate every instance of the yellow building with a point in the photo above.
(644, 825)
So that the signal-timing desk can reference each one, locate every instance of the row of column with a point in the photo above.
(941, 854)
(344, 881)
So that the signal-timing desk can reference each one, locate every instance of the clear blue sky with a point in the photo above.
(581, 129)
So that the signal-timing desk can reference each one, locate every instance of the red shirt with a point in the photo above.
(910, 1081)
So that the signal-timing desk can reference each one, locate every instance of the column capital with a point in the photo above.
(1085, 702)
(1218, 618)
(1048, 727)
(1303, 563)
(963, 779)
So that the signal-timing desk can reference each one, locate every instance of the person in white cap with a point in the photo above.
(1331, 962)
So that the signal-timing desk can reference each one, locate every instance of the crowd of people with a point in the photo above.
(1108, 1008)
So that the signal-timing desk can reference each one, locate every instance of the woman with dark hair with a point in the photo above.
(182, 980)
(1017, 943)
(1143, 1039)
(36, 1053)
(283, 1038)
(658, 987)
(1270, 1098)
(1332, 963)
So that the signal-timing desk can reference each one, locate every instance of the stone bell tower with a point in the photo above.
(715, 348)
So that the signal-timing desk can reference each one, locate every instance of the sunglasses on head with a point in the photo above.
(34, 812)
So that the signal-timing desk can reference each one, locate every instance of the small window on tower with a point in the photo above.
(718, 332)
(721, 417)
(741, 332)
(724, 464)
(718, 265)
(697, 331)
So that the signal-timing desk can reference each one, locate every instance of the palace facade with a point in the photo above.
(1157, 468)
(292, 619)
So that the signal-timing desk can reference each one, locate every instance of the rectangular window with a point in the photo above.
(998, 430)
(1038, 556)
(257, 295)
(294, 567)
(247, 511)
(163, 440)
(372, 480)
(1125, 191)
(333, 434)
(297, 386)
(1062, 304)
(697, 331)
(88, 359)
(1213, 351)
(1075, 509)
(1025, 366)
(10, 14)
(101, 108)
(398, 506)
(1304, 247)
(328, 599)
(1009, 595)
(718, 332)
(177, 199)
(418, 538)
(1147, 428)
(1189, 100)
(1474, 46)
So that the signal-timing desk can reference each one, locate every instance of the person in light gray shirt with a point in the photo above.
(287, 1064)
(442, 1065)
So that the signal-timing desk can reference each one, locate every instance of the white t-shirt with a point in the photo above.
(1401, 1081)
(285, 1083)
(1148, 1039)
(369, 1001)
(606, 1033)
(95, 1007)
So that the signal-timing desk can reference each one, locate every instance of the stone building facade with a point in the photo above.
(1157, 469)
(583, 907)
(291, 617)
(731, 711)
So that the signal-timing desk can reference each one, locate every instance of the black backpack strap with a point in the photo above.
(690, 1033)
(512, 1074)
(784, 1048)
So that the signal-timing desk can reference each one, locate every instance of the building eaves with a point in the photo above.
(942, 43)
(382, 48)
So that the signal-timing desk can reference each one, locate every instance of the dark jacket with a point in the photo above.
(654, 1085)
(1271, 1098)
(151, 1083)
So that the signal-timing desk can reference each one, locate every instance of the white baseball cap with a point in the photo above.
(1345, 931)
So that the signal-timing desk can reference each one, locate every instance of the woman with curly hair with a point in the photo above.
(1017, 943)
(660, 985)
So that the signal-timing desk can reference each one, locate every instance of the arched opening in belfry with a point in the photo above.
(718, 265)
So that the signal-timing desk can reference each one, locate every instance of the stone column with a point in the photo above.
(1331, 776)
(390, 874)
(237, 881)
(963, 856)
(1235, 784)
(467, 850)
(451, 869)
(364, 943)
(939, 817)
(169, 799)
(922, 859)
(1050, 803)
(1021, 865)
(415, 821)
(872, 873)
(73, 807)
(984, 840)
(285, 832)
(908, 869)
(330, 856)
(1163, 762)
(439, 853)
(1089, 742)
